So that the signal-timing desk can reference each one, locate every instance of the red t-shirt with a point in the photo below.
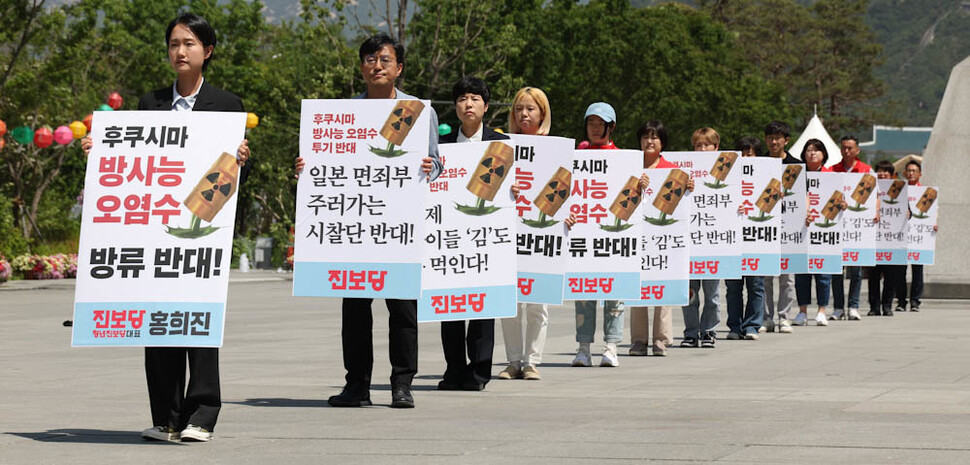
(585, 145)
(859, 167)
(663, 163)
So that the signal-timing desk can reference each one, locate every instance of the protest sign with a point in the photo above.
(714, 222)
(859, 220)
(156, 229)
(359, 198)
(542, 165)
(468, 269)
(761, 195)
(604, 261)
(924, 208)
(892, 235)
(825, 205)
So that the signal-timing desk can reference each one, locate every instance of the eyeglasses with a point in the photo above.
(372, 60)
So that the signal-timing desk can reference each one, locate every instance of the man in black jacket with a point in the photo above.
(470, 95)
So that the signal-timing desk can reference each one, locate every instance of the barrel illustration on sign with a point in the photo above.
(862, 192)
(925, 202)
(490, 173)
(767, 201)
(625, 203)
(216, 187)
(832, 208)
(398, 126)
(552, 197)
(671, 191)
(894, 191)
(788, 179)
(722, 167)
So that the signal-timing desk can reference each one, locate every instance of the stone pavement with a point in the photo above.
(877, 391)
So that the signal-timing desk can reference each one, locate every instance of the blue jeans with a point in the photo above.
(803, 289)
(586, 321)
(706, 323)
(750, 319)
(855, 287)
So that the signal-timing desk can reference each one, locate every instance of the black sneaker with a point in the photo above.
(873, 313)
(401, 397)
(708, 341)
(350, 397)
(688, 342)
(887, 312)
(914, 309)
(900, 309)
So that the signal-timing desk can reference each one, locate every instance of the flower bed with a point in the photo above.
(5, 269)
(46, 266)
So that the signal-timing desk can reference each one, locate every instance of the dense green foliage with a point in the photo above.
(685, 66)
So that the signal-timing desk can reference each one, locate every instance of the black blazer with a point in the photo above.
(487, 134)
(209, 99)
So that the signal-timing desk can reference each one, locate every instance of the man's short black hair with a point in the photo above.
(470, 85)
(199, 26)
(748, 143)
(653, 128)
(914, 162)
(849, 137)
(777, 128)
(887, 166)
(376, 42)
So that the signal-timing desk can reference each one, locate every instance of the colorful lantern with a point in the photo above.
(104, 107)
(78, 129)
(115, 101)
(63, 135)
(87, 121)
(252, 120)
(3, 128)
(23, 134)
(43, 138)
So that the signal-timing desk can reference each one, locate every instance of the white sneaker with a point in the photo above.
(785, 327)
(800, 320)
(733, 336)
(751, 337)
(854, 314)
(609, 357)
(582, 358)
(838, 314)
(194, 433)
(821, 319)
(160, 433)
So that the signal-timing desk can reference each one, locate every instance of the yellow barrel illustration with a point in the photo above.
(791, 175)
(770, 196)
(401, 120)
(895, 189)
(833, 206)
(725, 161)
(627, 200)
(491, 170)
(214, 189)
(865, 187)
(671, 191)
(553, 196)
(926, 201)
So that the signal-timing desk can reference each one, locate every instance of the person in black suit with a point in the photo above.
(181, 412)
(381, 62)
(470, 95)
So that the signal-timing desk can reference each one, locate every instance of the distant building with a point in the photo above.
(893, 143)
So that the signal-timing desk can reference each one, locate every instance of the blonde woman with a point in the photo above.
(530, 116)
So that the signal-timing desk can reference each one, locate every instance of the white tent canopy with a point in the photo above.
(815, 130)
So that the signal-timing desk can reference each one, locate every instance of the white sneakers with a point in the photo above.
(609, 356)
(785, 327)
(821, 319)
(854, 314)
(582, 357)
(194, 433)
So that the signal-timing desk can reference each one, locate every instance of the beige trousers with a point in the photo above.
(663, 325)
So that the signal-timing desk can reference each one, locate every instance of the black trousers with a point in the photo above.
(916, 289)
(172, 404)
(891, 275)
(357, 333)
(478, 342)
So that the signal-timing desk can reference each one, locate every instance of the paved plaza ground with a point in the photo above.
(877, 391)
